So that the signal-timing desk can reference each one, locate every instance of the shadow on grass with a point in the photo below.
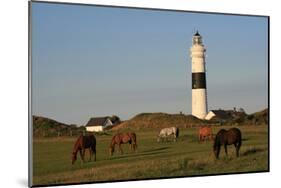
(156, 149)
(142, 153)
(136, 155)
(252, 151)
(117, 156)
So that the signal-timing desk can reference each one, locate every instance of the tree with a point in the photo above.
(115, 119)
(241, 110)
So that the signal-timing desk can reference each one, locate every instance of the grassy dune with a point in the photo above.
(186, 157)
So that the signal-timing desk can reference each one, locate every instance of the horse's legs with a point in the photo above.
(225, 148)
(90, 152)
(237, 146)
(81, 154)
(136, 145)
(217, 153)
(130, 145)
(237, 150)
(120, 149)
(94, 152)
(133, 146)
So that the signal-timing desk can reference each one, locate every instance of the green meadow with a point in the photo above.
(186, 157)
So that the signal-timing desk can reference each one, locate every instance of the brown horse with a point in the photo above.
(204, 133)
(123, 138)
(223, 137)
(83, 143)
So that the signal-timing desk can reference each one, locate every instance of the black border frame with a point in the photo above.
(30, 125)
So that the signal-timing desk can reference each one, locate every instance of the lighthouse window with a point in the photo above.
(197, 41)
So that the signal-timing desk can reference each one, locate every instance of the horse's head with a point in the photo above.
(216, 153)
(216, 149)
(74, 157)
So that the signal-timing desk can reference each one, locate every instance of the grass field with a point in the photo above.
(186, 157)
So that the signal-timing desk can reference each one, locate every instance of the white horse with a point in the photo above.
(166, 132)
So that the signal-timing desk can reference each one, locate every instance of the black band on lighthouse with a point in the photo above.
(199, 80)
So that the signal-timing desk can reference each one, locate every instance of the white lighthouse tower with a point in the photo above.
(199, 89)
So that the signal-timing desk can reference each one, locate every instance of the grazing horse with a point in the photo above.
(204, 133)
(123, 138)
(164, 133)
(224, 137)
(83, 143)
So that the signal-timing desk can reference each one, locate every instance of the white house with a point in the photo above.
(98, 124)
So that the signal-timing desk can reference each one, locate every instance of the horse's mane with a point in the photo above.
(113, 140)
(78, 141)
(215, 142)
(77, 145)
(177, 132)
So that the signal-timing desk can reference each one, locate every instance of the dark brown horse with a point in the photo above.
(204, 133)
(123, 138)
(224, 137)
(83, 143)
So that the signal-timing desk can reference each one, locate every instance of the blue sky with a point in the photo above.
(96, 61)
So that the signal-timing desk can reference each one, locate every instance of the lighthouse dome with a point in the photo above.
(197, 39)
(197, 34)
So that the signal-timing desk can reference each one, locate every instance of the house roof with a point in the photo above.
(96, 121)
(222, 114)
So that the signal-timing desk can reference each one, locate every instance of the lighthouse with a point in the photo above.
(199, 89)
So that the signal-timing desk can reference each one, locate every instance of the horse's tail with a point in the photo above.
(240, 143)
(177, 132)
(135, 141)
(240, 140)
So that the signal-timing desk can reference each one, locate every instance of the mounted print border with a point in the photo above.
(127, 93)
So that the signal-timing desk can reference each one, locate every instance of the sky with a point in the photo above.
(91, 61)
